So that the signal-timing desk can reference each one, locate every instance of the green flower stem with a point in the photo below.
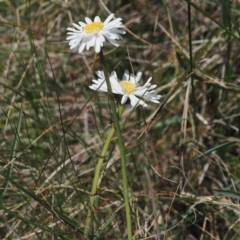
(97, 173)
(123, 161)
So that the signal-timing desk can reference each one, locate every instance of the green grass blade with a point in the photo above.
(226, 193)
(104, 225)
(12, 155)
(213, 149)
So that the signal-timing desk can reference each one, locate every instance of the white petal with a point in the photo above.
(97, 46)
(113, 24)
(77, 26)
(138, 76)
(136, 101)
(140, 92)
(88, 20)
(148, 82)
(124, 99)
(134, 79)
(97, 19)
(116, 87)
(109, 35)
(126, 75)
(82, 24)
(91, 42)
(152, 97)
(113, 42)
(100, 74)
(108, 19)
(81, 48)
(101, 38)
(113, 75)
(74, 45)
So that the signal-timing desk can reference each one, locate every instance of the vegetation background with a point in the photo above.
(183, 171)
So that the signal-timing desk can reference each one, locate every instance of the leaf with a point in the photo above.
(226, 193)
(213, 149)
(104, 225)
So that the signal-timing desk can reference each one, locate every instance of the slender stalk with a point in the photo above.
(125, 193)
(12, 157)
(192, 66)
(227, 23)
(97, 173)
(116, 126)
(121, 148)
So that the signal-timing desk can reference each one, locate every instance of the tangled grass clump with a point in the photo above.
(182, 154)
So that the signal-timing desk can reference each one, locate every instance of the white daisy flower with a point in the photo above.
(128, 87)
(93, 34)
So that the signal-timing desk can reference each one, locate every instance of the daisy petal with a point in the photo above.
(88, 20)
(124, 99)
(108, 19)
(97, 19)
(126, 75)
(136, 101)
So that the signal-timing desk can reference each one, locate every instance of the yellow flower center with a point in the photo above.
(93, 27)
(128, 87)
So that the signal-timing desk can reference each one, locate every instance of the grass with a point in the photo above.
(182, 155)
